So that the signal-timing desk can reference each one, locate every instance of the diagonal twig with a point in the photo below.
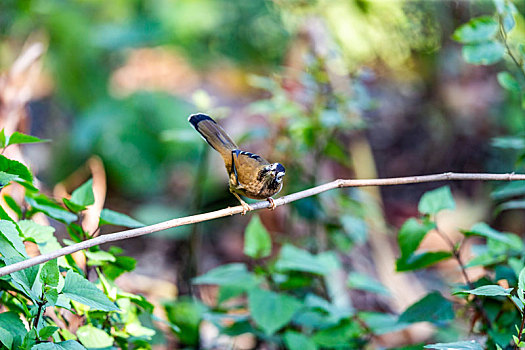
(188, 220)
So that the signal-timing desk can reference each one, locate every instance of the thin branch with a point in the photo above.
(520, 333)
(507, 46)
(188, 220)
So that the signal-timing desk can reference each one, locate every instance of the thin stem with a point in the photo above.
(188, 220)
(509, 51)
(40, 306)
(520, 333)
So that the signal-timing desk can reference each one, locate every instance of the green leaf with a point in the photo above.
(14, 167)
(411, 234)
(508, 82)
(506, 9)
(98, 257)
(459, 345)
(6, 178)
(5, 336)
(80, 289)
(47, 331)
(121, 264)
(24, 279)
(10, 233)
(110, 217)
(381, 323)
(83, 196)
(186, 316)
(49, 273)
(41, 235)
(485, 53)
(63, 345)
(434, 201)
(488, 290)
(484, 230)
(521, 286)
(3, 138)
(257, 240)
(476, 30)
(295, 259)
(364, 282)
(229, 275)
(10, 321)
(511, 189)
(19, 138)
(92, 337)
(421, 260)
(339, 336)
(271, 311)
(13, 205)
(432, 308)
(298, 341)
(50, 208)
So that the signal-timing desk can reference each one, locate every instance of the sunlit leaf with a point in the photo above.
(257, 240)
(49, 273)
(93, 337)
(476, 30)
(19, 138)
(11, 166)
(436, 200)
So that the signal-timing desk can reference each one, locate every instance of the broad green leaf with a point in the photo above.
(11, 166)
(63, 345)
(364, 282)
(47, 331)
(13, 205)
(10, 321)
(484, 230)
(459, 345)
(488, 290)
(339, 336)
(436, 200)
(75, 208)
(51, 209)
(51, 296)
(79, 289)
(336, 313)
(19, 138)
(485, 53)
(110, 217)
(6, 337)
(9, 231)
(476, 30)
(25, 279)
(508, 82)
(521, 285)
(3, 139)
(295, 259)
(229, 275)
(432, 308)
(298, 341)
(49, 273)
(421, 260)
(6, 178)
(121, 264)
(411, 234)
(257, 240)
(186, 315)
(93, 337)
(98, 257)
(271, 311)
(381, 323)
(42, 235)
(83, 196)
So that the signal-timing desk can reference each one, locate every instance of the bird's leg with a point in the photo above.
(272, 203)
(245, 206)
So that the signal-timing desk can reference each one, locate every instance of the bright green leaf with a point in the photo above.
(411, 234)
(13, 205)
(521, 286)
(436, 200)
(49, 273)
(421, 260)
(47, 331)
(51, 209)
(24, 279)
(298, 341)
(459, 345)
(295, 259)
(364, 282)
(79, 289)
(11, 166)
(477, 30)
(432, 308)
(488, 290)
(508, 82)
(484, 230)
(257, 240)
(83, 196)
(93, 337)
(19, 138)
(9, 231)
(110, 217)
(3, 139)
(42, 235)
(100, 256)
(485, 53)
(339, 336)
(186, 315)
(6, 178)
(271, 311)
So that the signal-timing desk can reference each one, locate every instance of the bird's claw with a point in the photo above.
(272, 203)
(245, 208)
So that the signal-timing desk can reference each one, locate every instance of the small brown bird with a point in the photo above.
(250, 175)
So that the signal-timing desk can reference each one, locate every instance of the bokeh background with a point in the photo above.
(330, 88)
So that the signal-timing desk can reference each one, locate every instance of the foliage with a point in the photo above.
(60, 284)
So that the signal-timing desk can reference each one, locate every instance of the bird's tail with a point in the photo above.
(214, 134)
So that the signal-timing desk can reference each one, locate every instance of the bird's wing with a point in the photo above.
(246, 165)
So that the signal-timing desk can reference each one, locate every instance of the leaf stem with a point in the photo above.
(520, 333)
(507, 46)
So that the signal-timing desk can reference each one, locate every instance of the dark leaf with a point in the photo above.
(110, 217)
(271, 311)
(432, 308)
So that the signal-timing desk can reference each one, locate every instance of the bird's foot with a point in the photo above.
(245, 208)
(272, 203)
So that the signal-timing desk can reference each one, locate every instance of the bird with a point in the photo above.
(250, 175)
